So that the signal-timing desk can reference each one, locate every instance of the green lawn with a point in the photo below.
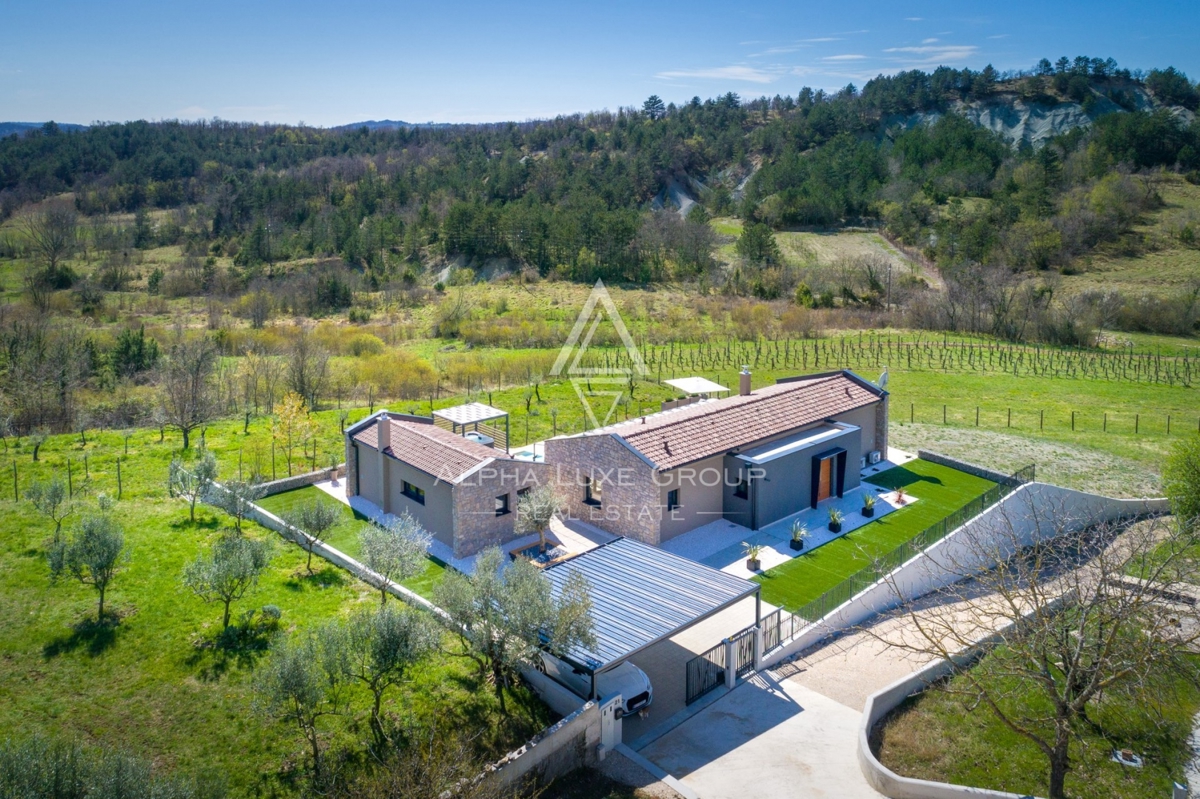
(951, 737)
(153, 684)
(345, 535)
(941, 491)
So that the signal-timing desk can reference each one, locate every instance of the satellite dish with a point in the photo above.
(883, 378)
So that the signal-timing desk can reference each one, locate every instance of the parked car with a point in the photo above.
(626, 679)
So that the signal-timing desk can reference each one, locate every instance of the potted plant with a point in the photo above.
(868, 508)
(835, 520)
(900, 498)
(752, 552)
(799, 533)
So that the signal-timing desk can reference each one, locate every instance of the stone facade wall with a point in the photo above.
(559, 749)
(300, 480)
(631, 503)
(476, 525)
(969, 468)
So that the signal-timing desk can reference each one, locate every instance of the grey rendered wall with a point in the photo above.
(368, 473)
(701, 496)
(436, 515)
(787, 486)
(737, 510)
(864, 418)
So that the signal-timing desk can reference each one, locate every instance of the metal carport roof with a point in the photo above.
(642, 595)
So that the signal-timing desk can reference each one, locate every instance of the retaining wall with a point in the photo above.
(298, 481)
(963, 466)
(1033, 512)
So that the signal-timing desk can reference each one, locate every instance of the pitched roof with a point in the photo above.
(698, 431)
(431, 449)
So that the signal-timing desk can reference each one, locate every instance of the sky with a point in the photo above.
(353, 60)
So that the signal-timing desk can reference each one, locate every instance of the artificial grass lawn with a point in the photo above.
(941, 491)
(947, 737)
(345, 535)
(153, 684)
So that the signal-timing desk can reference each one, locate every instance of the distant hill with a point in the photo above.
(390, 124)
(9, 128)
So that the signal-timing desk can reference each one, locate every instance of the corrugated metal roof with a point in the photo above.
(642, 594)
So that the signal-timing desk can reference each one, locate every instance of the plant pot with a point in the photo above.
(868, 512)
(835, 527)
(796, 545)
(753, 564)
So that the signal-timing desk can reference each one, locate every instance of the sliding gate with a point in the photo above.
(705, 672)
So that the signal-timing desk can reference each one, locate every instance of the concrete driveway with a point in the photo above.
(769, 739)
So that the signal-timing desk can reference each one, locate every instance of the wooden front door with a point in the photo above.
(825, 480)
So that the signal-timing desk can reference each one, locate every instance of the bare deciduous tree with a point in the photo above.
(307, 366)
(186, 394)
(1080, 611)
(52, 233)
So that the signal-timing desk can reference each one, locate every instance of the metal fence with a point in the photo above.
(779, 626)
(863, 579)
(705, 672)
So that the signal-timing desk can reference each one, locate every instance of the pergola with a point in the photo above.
(642, 595)
(475, 417)
(696, 385)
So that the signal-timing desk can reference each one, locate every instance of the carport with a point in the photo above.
(647, 606)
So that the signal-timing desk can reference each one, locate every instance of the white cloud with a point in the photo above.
(192, 112)
(742, 73)
(845, 57)
(999, 36)
(928, 41)
(823, 39)
(933, 54)
(913, 19)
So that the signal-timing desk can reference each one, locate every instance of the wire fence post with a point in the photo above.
(118, 477)
(1137, 423)
(1042, 419)
(16, 496)
(977, 416)
(70, 486)
(1072, 421)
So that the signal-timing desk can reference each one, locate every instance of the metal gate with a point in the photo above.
(705, 672)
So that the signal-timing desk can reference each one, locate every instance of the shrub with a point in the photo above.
(365, 344)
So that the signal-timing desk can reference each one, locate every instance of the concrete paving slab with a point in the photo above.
(767, 739)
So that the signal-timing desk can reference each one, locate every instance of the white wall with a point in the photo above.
(1023, 516)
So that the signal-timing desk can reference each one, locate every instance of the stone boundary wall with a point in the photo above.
(298, 481)
(964, 466)
(336, 556)
(559, 749)
(1025, 514)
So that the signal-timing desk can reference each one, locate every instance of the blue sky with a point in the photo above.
(333, 63)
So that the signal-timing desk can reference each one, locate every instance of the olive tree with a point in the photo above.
(504, 616)
(92, 554)
(235, 498)
(190, 481)
(380, 646)
(536, 508)
(314, 520)
(228, 571)
(395, 550)
(302, 682)
(51, 500)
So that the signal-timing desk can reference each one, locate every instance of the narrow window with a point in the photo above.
(412, 492)
(502, 504)
(742, 489)
(672, 499)
(592, 493)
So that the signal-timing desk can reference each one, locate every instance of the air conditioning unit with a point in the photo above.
(874, 456)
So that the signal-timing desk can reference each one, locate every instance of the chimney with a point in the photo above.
(744, 382)
(384, 433)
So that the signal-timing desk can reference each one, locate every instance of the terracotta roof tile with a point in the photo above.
(689, 434)
(431, 449)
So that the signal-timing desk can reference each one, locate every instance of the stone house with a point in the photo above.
(463, 492)
(751, 458)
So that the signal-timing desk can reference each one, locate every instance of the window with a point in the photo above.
(412, 492)
(742, 489)
(502, 504)
(592, 492)
(672, 499)
(521, 492)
